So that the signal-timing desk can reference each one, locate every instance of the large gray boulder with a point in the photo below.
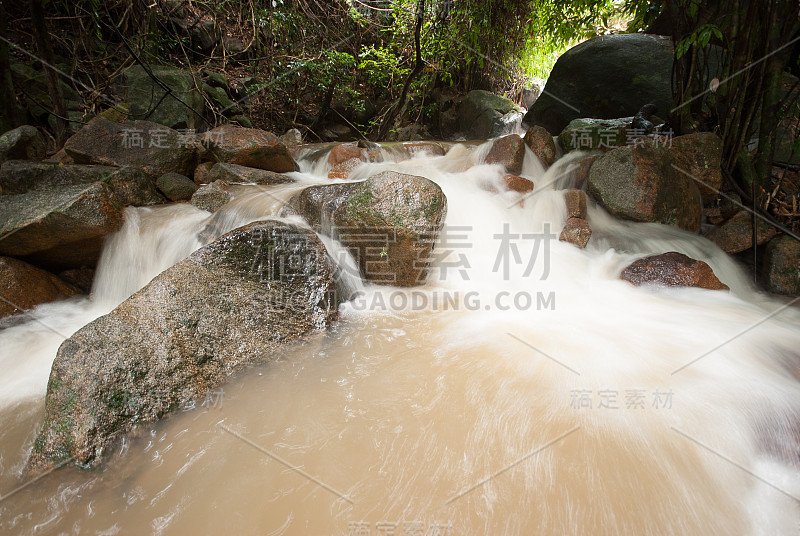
(388, 222)
(22, 143)
(606, 77)
(639, 183)
(237, 301)
(133, 186)
(59, 228)
(181, 108)
(149, 146)
(484, 115)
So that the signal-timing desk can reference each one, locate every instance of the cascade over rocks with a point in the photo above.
(388, 222)
(59, 227)
(160, 149)
(606, 77)
(234, 302)
(672, 269)
(24, 286)
(639, 183)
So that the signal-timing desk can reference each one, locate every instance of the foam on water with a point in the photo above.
(589, 407)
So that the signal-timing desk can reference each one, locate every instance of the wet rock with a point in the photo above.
(176, 187)
(211, 197)
(237, 301)
(575, 201)
(736, 234)
(23, 287)
(342, 170)
(250, 147)
(81, 278)
(638, 183)
(517, 184)
(429, 148)
(540, 141)
(606, 77)
(672, 269)
(576, 231)
(202, 172)
(232, 174)
(483, 115)
(587, 134)
(389, 223)
(151, 147)
(60, 228)
(291, 137)
(181, 108)
(578, 169)
(345, 151)
(508, 151)
(22, 143)
(699, 156)
(782, 266)
(133, 186)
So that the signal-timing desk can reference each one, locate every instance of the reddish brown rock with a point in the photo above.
(736, 234)
(699, 157)
(579, 169)
(672, 269)
(23, 287)
(201, 173)
(344, 152)
(517, 184)
(508, 151)
(577, 232)
(342, 170)
(576, 204)
(81, 278)
(249, 147)
(540, 141)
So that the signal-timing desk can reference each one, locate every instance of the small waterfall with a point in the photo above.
(524, 389)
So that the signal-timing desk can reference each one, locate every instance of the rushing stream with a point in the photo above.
(523, 389)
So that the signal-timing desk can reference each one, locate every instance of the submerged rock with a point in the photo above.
(149, 146)
(672, 269)
(388, 222)
(237, 301)
(23, 287)
(59, 228)
(638, 183)
(212, 197)
(576, 231)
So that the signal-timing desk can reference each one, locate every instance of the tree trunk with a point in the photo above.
(10, 115)
(62, 130)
